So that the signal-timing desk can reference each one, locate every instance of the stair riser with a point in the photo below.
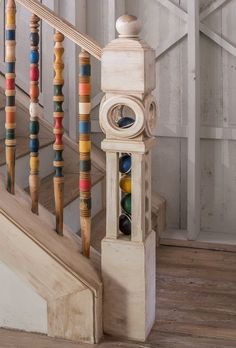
(71, 211)
(22, 166)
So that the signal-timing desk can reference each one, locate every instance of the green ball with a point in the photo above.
(126, 203)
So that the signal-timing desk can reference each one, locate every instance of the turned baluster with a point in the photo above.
(85, 149)
(10, 109)
(58, 131)
(34, 112)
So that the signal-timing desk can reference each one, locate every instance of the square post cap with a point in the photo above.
(128, 63)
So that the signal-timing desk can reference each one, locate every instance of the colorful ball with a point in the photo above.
(126, 203)
(125, 122)
(125, 164)
(125, 224)
(125, 183)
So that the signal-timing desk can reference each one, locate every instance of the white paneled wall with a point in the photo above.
(163, 24)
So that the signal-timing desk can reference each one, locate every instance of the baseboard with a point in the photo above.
(205, 240)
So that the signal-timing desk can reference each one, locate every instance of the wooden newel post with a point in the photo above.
(10, 60)
(127, 117)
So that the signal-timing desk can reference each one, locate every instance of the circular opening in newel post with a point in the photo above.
(121, 117)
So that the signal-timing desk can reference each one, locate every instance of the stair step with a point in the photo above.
(71, 176)
(71, 188)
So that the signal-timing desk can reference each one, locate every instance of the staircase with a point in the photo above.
(78, 287)
(71, 171)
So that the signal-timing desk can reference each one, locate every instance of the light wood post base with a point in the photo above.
(128, 272)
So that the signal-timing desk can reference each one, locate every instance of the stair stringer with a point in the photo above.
(66, 280)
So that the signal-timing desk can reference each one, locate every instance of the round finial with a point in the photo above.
(128, 26)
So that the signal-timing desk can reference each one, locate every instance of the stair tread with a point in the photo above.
(71, 188)
(22, 147)
(71, 180)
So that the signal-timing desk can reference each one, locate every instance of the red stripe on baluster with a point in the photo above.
(34, 73)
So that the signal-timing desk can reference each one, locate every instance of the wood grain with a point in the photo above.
(63, 26)
(195, 305)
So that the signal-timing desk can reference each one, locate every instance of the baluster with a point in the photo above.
(85, 149)
(58, 115)
(10, 109)
(34, 113)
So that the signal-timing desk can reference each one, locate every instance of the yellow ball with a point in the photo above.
(125, 183)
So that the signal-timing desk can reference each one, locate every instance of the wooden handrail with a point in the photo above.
(63, 26)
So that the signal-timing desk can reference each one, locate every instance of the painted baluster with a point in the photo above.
(34, 113)
(10, 109)
(58, 130)
(85, 150)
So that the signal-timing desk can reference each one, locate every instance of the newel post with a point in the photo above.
(127, 117)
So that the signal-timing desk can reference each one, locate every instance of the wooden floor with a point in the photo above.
(196, 305)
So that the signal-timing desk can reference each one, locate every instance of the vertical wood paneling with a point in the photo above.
(166, 177)
(193, 121)
(75, 14)
(47, 63)
(22, 47)
(229, 107)
(2, 35)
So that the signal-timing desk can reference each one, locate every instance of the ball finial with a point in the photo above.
(128, 26)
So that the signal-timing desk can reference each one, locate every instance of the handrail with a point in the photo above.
(63, 26)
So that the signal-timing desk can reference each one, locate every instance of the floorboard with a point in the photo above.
(196, 305)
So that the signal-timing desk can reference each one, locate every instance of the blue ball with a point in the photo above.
(34, 57)
(125, 122)
(125, 164)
